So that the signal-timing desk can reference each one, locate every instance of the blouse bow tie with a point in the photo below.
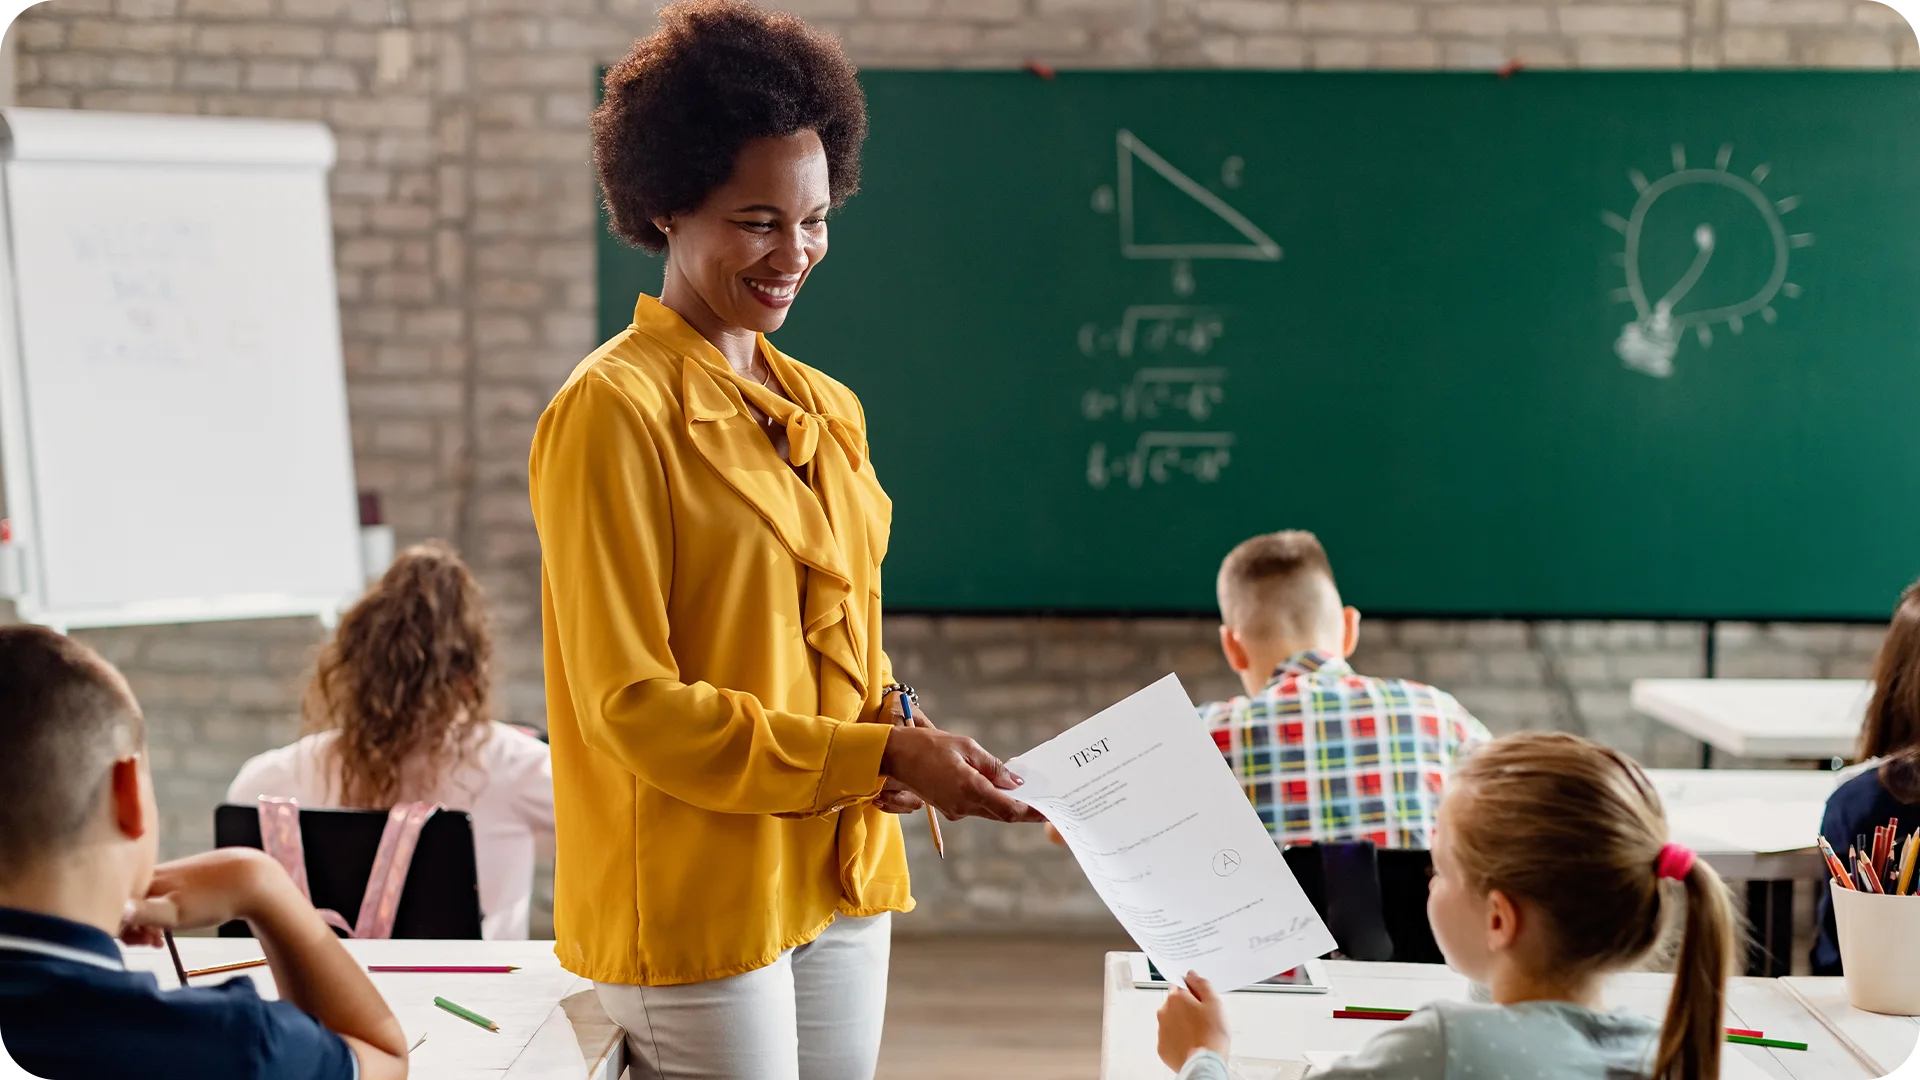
(803, 427)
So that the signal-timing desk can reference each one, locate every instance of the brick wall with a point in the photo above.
(462, 207)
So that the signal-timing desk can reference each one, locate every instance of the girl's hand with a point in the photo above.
(1193, 1018)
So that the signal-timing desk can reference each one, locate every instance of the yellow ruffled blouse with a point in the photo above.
(711, 616)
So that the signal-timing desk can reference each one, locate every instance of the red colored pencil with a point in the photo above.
(1833, 864)
(1748, 1034)
(443, 969)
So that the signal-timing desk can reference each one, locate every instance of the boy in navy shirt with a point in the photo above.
(78, 841)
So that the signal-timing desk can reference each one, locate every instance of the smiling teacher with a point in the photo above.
(729, 747)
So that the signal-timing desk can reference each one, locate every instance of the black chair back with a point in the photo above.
(442, 897)
(1405, 875)
(1374, 900)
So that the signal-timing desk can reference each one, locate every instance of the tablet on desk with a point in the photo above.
(1308, 978)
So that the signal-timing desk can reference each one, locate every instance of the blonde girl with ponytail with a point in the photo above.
(1552, 869)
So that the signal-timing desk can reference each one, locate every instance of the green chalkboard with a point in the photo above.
(1559, 345)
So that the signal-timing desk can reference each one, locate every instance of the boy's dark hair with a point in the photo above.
(65, 717)
(715, 75)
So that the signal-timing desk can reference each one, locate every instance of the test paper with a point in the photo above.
(1165, 834)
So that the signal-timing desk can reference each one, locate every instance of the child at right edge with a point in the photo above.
(1551, 870)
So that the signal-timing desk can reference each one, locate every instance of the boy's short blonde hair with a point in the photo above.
(1277, 584)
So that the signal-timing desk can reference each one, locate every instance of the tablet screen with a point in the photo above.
(1294, 977)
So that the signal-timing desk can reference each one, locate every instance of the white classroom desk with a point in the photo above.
(1813, 719)
(1882, 1043)
(551, 1023)
(1756, 826)
(1280, 1026)
(1749, 824)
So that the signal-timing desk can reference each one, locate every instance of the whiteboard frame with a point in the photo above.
(302, 142)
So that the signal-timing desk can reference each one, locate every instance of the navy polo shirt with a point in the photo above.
(1855, 808)
(70, 1010)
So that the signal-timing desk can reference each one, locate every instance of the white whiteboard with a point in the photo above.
(172, 400)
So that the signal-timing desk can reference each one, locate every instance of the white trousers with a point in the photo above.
(813, 1014)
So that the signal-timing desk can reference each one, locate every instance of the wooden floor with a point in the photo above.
(994, 1009)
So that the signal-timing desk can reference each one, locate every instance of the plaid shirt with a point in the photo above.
(1325, 754)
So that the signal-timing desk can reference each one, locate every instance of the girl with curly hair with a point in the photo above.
(399, 712)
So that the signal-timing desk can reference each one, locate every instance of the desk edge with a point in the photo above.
(1859, 1052)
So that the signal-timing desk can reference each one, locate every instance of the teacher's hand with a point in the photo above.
(895, 799)
(952, 773)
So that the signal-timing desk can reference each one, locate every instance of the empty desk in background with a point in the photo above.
(1811, 719)
(1280, 1026)
(1756, 826)
(1881, 1043)
(551, 1023)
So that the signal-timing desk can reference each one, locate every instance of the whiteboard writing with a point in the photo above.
(178, 361)
(182, 242)
(141, 277)
(1160, 457)
(1158, 391)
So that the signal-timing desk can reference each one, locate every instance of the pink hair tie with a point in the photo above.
(1674, 863)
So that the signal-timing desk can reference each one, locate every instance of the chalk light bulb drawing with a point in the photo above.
(1649, 343)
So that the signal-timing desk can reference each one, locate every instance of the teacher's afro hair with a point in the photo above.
(714, 76)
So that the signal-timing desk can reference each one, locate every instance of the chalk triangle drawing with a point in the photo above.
(1258, 246)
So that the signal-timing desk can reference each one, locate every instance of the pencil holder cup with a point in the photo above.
(1880, 949)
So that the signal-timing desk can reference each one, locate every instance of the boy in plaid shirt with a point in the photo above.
(1324, 753)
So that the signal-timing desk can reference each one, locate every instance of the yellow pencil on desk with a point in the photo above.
(222, 968)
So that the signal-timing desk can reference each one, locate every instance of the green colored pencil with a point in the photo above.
(1369, 1008)
(1778, 1044)
(475, 1018)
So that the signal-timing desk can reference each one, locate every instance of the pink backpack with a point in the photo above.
(280, 836)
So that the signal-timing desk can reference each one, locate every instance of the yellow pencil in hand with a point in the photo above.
(933, 816)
